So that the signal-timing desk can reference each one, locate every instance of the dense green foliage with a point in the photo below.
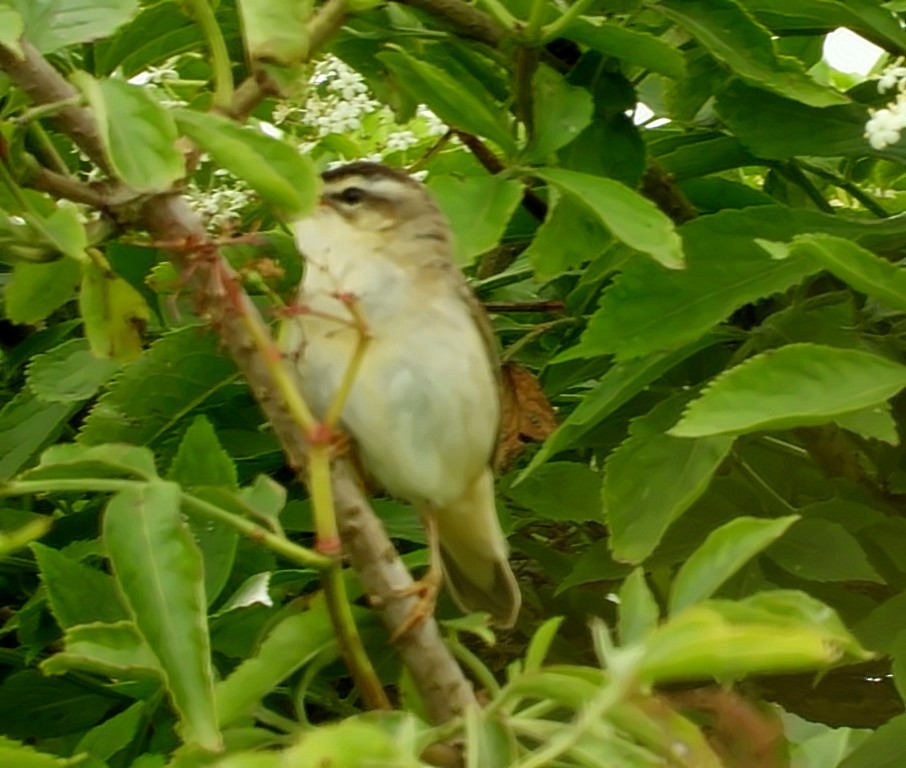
(715, 310)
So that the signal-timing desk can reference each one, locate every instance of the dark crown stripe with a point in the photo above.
(366, 169)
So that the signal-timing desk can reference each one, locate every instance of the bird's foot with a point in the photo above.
(426, 590)
(338, 443)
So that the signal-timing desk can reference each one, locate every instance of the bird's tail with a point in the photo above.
(474, 552)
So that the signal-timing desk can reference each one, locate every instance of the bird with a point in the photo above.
(423, 405)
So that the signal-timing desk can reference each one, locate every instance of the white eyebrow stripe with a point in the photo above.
(380, 186)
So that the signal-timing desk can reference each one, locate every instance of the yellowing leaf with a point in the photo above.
(114, 312)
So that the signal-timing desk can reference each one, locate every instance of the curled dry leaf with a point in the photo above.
(526, 414)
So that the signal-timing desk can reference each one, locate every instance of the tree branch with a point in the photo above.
(168, 218)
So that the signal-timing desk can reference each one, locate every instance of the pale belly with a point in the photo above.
(423, 408)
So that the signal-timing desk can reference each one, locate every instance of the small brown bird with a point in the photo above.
(423, 409)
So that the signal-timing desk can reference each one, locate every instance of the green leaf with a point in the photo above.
(103, 741)
(626, 214)
(648, 308)
(659, 474)
(36, 290)
(64, 229)
(54, 24)
(701, 643)
(639, 611)
(569, 236)
(183, 369)
(856, 266)
(138, 134)
(820, 550)
(22, 756)
(115, 314)
(276, 32)
(291, 644)
(285, 178)
(868, 18)
(796, 385)
(595, 564)
(621, 383)
(560, 113)
(69, 373)
(114, 650)
(74, 460)
(882, 749)
(776, 128)
(469, 111)
(560, 491)
(11, 27)
(540, 644)
(35, 707)
(723, 553)
(68, 581)
(876, 423)
(27, 424)
(628, 45)
(200, 461)
(160, 572)
(478, 209)
(732, 36)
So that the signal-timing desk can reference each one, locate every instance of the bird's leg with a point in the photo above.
(427, 587)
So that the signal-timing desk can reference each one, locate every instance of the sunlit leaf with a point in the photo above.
(160, 572)
(69, 373)
(478, 209)
(139, 135)
(54, 24)
(796, 385)
(36, 290)
(561, 112)
(629, 216)
(724, 552)
(114, 312)
(277, 171)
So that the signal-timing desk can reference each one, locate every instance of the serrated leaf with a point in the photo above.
(69, 373)
(875, 423)
(115, 314)
(629, 45)
(182, 369)
(138, 134)
(625, 213)
(54, 24)
(478, 209)
(735, 38)
(776, 128)
(36, 707)
(621, 383)
(285, 178)
(11, 27)
(160, 573)
(276, 32)
(428, 84)
(560, 113)
(36, 290)
(27, 424)
(115, 650)
(652, 478)
(103, 741)
(569, 235)
(68, 581)
(856, 266)
(74, 460)
(639, 611)
(796, 385)
(820, 550)
(560, 491)
(200, 461)
(722, 554)
(292, 643)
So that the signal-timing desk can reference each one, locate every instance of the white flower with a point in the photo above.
(885, 125)
(401, 140)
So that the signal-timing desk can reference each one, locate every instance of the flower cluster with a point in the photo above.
(337, 101)
(885, 125)
(222, 203)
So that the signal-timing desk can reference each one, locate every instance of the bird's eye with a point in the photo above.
(352, 195)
